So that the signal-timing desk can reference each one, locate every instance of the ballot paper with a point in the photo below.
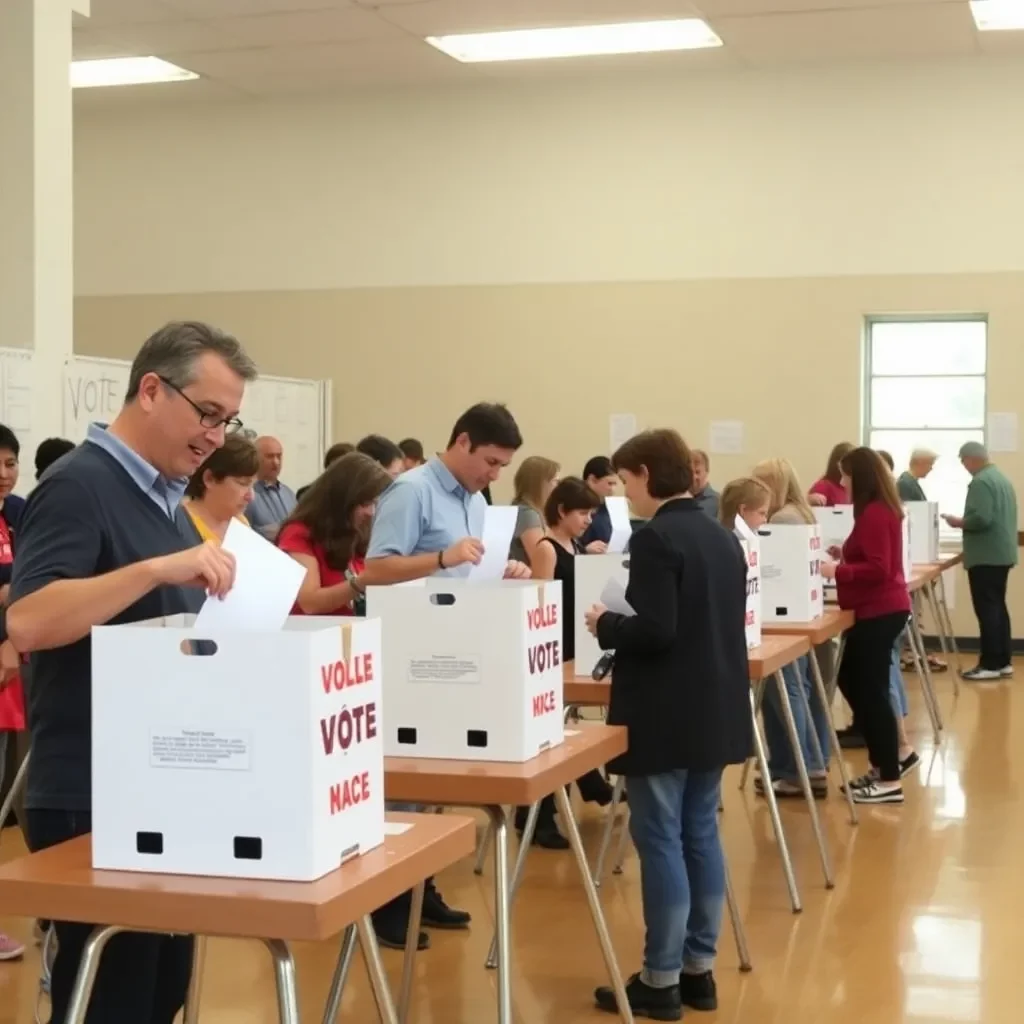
(618, 513)
(613, 597)
(267, 582)
(499, 525)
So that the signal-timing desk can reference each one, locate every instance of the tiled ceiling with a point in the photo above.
(272, 47)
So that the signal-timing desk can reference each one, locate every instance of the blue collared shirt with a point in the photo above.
(271, 504)
(426, 510)
(166, 492)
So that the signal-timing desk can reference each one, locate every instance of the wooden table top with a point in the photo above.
(826, 626)
(60, 884)
(775, 652)
(946, 561)
(584, 690)
(480, 783)
(923, 574)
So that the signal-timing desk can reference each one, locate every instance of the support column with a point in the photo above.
(36, 227)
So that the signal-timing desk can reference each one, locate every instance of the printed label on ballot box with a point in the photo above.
(200, 748)
(445, 668)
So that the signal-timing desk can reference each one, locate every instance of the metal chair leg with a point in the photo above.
(738, 930)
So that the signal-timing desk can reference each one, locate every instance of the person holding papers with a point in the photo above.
(430, 522)
(567, 513)
(219, 491)
(870, 582)
(99, 545)
(680, 685)
(328, 532)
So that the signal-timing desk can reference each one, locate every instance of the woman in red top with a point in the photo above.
(328, 532)
(829, 490)
(870, 582)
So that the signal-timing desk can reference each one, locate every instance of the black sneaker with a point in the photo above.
(698, 991)
(644, 1001)
(391, 930)
(879, 793)
(851, 739)
(437, 913)
(909, 763)
(869, 778)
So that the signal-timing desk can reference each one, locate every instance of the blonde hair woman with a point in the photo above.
(788, 506)
(534, 481)
(748, 499)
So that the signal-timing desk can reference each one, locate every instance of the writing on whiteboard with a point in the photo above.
(94, 398)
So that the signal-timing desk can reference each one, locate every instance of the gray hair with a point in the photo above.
(172, 352)
(973, 450)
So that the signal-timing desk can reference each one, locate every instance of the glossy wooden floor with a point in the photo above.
(923, 926)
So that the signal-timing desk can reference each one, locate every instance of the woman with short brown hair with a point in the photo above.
(219, 490)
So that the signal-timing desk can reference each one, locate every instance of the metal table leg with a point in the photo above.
(502, 922)
(920, 657)
(805, 781)
(195, 981)
(773, 811)
(606, 831)
(481, 853)
(517, 874)
(375, 969)
(607, 949)
(738, 930)
(758, 699)
(822, 692)
(622, 846)
(340, 976)
(284, 976)
(940, 586)
(78, 1004)
(412, 938)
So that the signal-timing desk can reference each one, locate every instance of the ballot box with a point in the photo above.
(923, 524)
(751, 545)
(238, 754)
(594, 575)
(474, 669)
(791, 582)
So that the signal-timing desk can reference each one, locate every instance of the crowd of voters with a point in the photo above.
(128, 526)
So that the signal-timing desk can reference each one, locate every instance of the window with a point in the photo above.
(926, 389)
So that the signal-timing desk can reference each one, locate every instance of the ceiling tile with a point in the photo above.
(693, 60)
(328, 26)
(144, 40)
(104, 13)
(447, 17)
(202, 90)
(239, 8)
(1001, 43)
(725, 8)
(828, 36)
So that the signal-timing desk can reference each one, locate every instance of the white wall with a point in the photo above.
(878, 170)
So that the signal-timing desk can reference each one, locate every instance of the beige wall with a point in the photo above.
(783, 356)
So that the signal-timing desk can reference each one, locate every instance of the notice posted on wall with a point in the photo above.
(210, 749)
(445, 668)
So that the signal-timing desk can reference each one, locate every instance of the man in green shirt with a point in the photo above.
(909, 484)
(989, 524)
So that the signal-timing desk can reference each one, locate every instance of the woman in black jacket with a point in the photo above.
(680, 685)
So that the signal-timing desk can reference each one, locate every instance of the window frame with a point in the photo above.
(947, 535)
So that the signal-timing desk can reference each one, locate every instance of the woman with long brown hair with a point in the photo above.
(829, 489)
(870, 582)
(328, 531)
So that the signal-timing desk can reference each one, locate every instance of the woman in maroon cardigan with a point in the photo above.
(870, 582)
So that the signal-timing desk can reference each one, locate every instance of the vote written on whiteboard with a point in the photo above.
(95, 396)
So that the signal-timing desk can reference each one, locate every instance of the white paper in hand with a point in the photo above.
(618, 513)
(613, 597)
(499, 525)
(267, 582)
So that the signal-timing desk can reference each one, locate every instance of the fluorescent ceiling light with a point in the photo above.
(582, 41)
(91, 74)
(998, 15)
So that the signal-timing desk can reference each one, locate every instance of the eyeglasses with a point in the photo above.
(210, 420)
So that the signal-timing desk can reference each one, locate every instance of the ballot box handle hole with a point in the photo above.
(149, 842)
(442, 599)
(781, 610)
(407, 735)
(476, 738)
(198, 648)
(248, 848)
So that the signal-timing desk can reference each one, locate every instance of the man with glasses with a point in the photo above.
(272, 501)
(99, 545)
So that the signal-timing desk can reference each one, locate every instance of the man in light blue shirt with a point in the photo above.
(429, 522)
(272, 501)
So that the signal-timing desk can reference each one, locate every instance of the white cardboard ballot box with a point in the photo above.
(924, 531)
(474, 669)
(236, 754)
(908, 546)
(751, 545)
(836, 524)
(592, 575)
(791, 583)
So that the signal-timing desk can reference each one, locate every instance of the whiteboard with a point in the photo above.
(16, 409)
(296, 412)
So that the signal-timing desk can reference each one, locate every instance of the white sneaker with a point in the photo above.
(978, 675)
(878, 793)
(1006, 671)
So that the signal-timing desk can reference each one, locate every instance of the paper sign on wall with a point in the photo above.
(725, 437)
(1002, 431)
(621, 427)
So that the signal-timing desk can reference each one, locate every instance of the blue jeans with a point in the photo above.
(781, 762)
(673, 819)
(897, 688)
